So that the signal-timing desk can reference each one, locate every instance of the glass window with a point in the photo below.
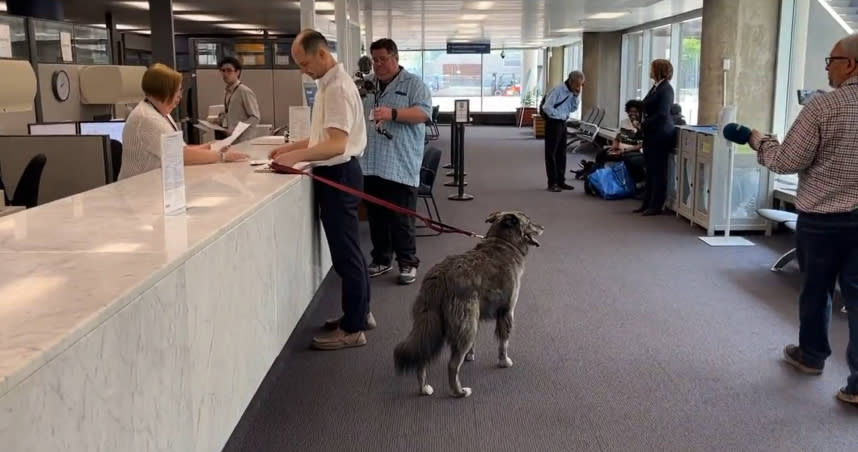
(283, 54)
(451, 77)
(249, 53)
(91, 45)
(412, 61)
(49, 39)
(688, 75)
(206, 53)
(501, 81)
(633, 67)
(660, 44)
(573, 60)
(18, 35)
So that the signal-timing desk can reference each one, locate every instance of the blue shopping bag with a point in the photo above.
(612, 182)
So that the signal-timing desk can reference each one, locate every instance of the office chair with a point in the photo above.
(27, 191)
(428, 171)
(432, 132)
(116, 158)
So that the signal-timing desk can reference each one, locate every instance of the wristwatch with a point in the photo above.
(222, 157)
(393, 113)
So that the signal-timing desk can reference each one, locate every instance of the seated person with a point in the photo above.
(676, 114)
(628, 139)
(151, 118)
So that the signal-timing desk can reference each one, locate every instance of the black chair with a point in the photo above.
(428, 171)
(5, 199)
(27, 191)
(116, 158)
(432, 132)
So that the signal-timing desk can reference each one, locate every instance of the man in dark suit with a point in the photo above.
(658, 136)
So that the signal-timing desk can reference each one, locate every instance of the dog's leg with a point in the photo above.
(503, 329)
(470, 356)
(425, 389)
(457, 356)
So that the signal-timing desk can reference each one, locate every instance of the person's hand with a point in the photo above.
(235, 156)
(206, 146)
(382, 114)
(286, 159)
(636, 124)
(614, 151)
(279, 151)
(756, 139)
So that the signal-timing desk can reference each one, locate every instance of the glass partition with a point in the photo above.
(452, 77)
(19, 47)
(91, 45)
(688, 75)
(283, 53)
(53, 41)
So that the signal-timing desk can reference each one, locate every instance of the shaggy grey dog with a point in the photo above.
(460, 291)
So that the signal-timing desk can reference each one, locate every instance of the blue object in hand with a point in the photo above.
(737, 133)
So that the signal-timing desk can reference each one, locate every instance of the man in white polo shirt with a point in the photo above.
(337, 138)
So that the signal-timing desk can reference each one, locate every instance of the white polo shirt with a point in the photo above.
(338, 106)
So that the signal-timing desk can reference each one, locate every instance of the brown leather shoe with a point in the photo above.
(339, 339)
(334, 323)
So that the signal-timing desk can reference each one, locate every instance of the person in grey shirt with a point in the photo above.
(239, 101)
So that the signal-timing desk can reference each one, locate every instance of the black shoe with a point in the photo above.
(794, 357)
(554, 188)
(640, 209)
(652, 212)
(565, 186)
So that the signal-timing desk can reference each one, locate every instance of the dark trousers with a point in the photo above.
(555, 151)
(339, 213)
(827, 251)
(390, 231)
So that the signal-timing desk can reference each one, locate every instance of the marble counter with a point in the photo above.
(123, 329)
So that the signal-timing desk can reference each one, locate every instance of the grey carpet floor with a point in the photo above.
(631, 334)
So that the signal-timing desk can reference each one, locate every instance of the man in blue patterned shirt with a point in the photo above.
(396, 115)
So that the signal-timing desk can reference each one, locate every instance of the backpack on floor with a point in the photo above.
(611, 182)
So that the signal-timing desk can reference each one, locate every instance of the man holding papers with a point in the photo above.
(239, 101)
(337, 139)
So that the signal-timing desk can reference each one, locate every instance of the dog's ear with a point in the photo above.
(493, 217)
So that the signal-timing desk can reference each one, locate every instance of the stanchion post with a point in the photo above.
(461, 116)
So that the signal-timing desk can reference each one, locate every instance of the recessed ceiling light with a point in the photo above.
(2, 6)
(477, 17)
(240, 26)
(567, 30)
(469, 25)
(324, 5)
(608, 15)
(201, 17)
(145, 5)
(480, 5)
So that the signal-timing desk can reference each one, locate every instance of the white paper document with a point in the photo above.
(269, 140)
(5, 41)
(299, 123)
(66, 45)
(173, 173)
(210, 125)
(226, 142)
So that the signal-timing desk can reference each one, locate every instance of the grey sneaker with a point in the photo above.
(407, 274)
(378, 269)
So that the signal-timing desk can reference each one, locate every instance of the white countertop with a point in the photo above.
(69, 264)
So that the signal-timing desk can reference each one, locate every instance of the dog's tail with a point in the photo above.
(425, 340)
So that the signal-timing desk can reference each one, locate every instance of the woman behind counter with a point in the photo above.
(141, 137)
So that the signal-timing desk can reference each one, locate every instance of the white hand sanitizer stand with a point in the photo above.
(727, 115)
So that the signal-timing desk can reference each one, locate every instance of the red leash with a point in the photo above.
(436, 226)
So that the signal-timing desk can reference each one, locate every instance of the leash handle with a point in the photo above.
(436, 226)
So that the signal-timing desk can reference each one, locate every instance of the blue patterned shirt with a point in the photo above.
(399, 159)
(565, 100)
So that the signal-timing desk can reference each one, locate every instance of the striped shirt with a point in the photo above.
(399, 159)
(141, 139)
(822, 147)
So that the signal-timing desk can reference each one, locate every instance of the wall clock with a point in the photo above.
(60, 85)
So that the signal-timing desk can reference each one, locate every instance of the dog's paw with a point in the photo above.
(427, 390)
(505, 363)
(470, 356)
(466, 392)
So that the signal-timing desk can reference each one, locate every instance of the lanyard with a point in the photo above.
(227, 98)
(169, 120)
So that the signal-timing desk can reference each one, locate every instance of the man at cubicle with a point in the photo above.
(239, 101)
(822, 147)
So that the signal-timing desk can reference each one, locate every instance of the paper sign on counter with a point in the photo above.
(173, 173)
(299, 123)
(66, 45)
(226, 142)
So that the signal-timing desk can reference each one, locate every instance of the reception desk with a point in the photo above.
(125, 330)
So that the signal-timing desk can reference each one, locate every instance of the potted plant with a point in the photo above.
(524, 113)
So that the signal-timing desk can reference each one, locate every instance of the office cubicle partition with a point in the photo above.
(74, 163)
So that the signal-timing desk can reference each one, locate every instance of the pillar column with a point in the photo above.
(163, 35)
(745, 32)
(529, 70)
(308, 14)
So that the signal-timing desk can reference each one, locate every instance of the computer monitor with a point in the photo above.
(310, 93)
(52, 128)
(110, 128)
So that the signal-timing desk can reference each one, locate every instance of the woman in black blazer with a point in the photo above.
(658, 135)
